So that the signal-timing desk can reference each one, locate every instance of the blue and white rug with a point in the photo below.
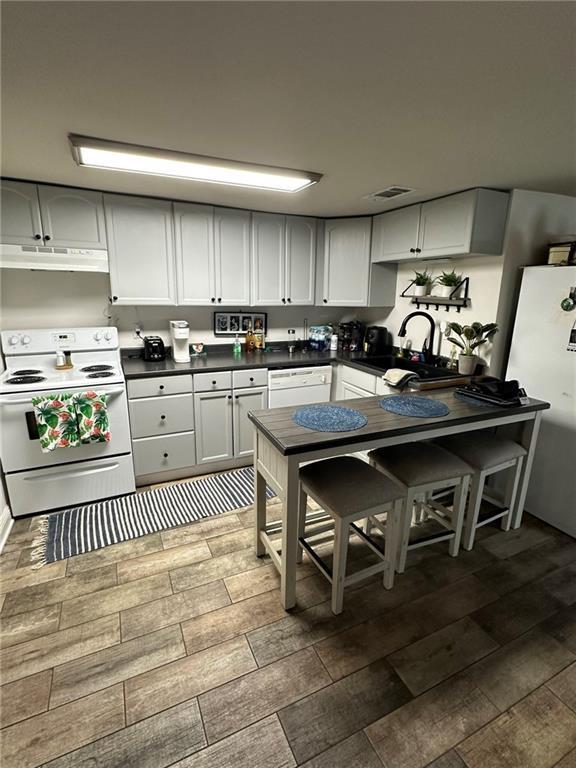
(83, 529)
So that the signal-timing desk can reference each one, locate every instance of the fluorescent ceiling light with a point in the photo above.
(113, 156)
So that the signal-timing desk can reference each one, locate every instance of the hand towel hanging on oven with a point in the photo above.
(57, 421)
(92, 411)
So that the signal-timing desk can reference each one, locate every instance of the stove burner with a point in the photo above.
(100, 375)
(25, 379)
(26, 372)
(96, 368)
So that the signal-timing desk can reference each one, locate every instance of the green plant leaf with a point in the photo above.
(456, 342)
(478, 343)
(456, 328)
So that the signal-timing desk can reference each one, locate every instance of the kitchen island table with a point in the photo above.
(281, 446)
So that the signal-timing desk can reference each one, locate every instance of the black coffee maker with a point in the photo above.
(351, 336)
(376, 340)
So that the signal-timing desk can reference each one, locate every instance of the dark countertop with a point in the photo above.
(289, 438)
(222, 360)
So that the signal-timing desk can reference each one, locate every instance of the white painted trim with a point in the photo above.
(6, 523)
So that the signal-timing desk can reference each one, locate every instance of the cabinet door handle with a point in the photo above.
(289, 301)
(283, 301)
(165, 455)
(47, 237)
(219, 300)
(412, 250)
(325, 301)
(162, 417)
(213, 299)
(251, 378)
(37, 237)
(213, 383)
(161, 386)
(418, 250)
(236, 396)
(229, 397)
(114, 298)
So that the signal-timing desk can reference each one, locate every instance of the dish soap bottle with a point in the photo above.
(237, 348)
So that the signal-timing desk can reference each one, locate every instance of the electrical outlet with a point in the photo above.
(137, 331)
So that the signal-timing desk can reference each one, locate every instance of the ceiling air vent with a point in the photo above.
(390, 192)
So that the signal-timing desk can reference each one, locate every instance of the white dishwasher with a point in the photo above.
(299, 386)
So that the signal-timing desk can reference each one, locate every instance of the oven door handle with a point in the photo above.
(27, 401)
(65, 474)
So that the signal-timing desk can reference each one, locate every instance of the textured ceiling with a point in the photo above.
(434, 96)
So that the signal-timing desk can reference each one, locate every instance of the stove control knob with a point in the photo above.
(26, 339)
(108, 336)
(13, 340)
(97, 336)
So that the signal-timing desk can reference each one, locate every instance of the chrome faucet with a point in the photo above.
(429, 353)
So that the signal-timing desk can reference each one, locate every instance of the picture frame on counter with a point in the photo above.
(232, 323)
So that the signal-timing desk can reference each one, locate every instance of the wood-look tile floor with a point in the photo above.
(173, 650)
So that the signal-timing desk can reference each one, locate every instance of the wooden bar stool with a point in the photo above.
(421, 469)
(348, 489)
(487, 454)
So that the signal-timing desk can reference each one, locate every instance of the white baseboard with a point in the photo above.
(6, 523)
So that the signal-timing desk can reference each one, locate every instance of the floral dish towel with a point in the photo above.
(92, 410)
(57, 421)
(65, 420)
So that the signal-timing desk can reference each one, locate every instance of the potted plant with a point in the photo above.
(447, 282)
(470, 337)
(422, 282)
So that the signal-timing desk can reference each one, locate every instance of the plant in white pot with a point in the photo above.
(470, 337)
(448, 282)
(422, 282)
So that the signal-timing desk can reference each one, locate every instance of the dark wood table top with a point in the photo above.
(289, 438)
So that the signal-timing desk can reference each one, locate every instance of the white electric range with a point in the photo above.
(37, 481)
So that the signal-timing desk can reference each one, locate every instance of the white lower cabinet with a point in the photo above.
(351, 392)
(245, 400)
(213, 412)
(163, 453)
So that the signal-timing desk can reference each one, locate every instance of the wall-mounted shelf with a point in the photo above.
(441, 301)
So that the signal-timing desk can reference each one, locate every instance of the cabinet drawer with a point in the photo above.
(160, 385)
(360, 379)
(157, 454)
(255, 377)
(162, 415)
(208, 382)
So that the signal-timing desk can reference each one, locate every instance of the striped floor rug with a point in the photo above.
(83, 529)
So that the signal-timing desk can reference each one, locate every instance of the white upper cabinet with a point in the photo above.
(54, 216)
(283, 259)
(395, 234)
(232, 256)
(346, 262)
(465, 224)
(300, 260)
(72, 218)
(20, 221)
(194, 242)
(471, 222)
(268, 247)
(141, 250)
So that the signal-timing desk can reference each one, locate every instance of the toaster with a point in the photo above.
(154, 349)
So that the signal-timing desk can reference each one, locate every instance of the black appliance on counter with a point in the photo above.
(154, 349)
(376, 340)
(351, 336)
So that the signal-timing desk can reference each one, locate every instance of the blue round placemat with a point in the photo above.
(411, 405)
(329, 418)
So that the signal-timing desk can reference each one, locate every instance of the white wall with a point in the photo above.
(485, 273)
(59, 299)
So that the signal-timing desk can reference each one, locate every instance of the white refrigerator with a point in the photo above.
(543, 359)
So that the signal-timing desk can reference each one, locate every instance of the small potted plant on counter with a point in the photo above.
(448, 282)
(422, 282)
(470, 337)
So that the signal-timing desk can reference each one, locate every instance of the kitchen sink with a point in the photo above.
(423, 370)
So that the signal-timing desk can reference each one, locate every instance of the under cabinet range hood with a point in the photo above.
(53, 258)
